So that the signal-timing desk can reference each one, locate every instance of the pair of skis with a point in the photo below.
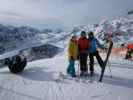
(63, 77)
(106, 60)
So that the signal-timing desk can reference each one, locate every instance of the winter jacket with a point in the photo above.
(83, 45)
(130, 46)
(94, 43)
(73, 49)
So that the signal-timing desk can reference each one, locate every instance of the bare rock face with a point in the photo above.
(41, 52)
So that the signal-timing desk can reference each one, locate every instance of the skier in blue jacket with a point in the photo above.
(94, 44)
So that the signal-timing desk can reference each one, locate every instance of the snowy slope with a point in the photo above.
(12, 38)
(37, 82)
(39, 79)
(120, 30)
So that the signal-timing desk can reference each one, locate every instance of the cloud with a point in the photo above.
(60, 13)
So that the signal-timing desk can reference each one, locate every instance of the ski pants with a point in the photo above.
(83, 62)
(99, 59)
(71, 68)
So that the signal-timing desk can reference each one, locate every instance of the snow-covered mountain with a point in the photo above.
(120, 30)
(12, 38)
(35, 43)
(8, 33)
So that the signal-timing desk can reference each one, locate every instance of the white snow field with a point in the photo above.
(39, 81)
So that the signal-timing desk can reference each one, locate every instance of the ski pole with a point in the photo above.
(78, 69)
(109, 65)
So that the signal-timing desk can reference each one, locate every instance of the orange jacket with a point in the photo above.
(83, 45)
(130, 46)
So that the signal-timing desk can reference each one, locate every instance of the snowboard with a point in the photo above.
(106, 60)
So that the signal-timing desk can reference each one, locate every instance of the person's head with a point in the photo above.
(91, 35)
(83, 34)
(74, 37)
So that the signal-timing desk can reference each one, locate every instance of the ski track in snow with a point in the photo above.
(38, 82)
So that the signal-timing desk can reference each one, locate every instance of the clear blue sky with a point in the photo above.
(61, 13)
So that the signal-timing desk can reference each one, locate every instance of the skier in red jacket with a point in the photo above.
(83, 46)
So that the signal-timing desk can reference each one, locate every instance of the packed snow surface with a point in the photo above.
(39, 82)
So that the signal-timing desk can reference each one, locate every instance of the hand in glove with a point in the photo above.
(71, 58)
